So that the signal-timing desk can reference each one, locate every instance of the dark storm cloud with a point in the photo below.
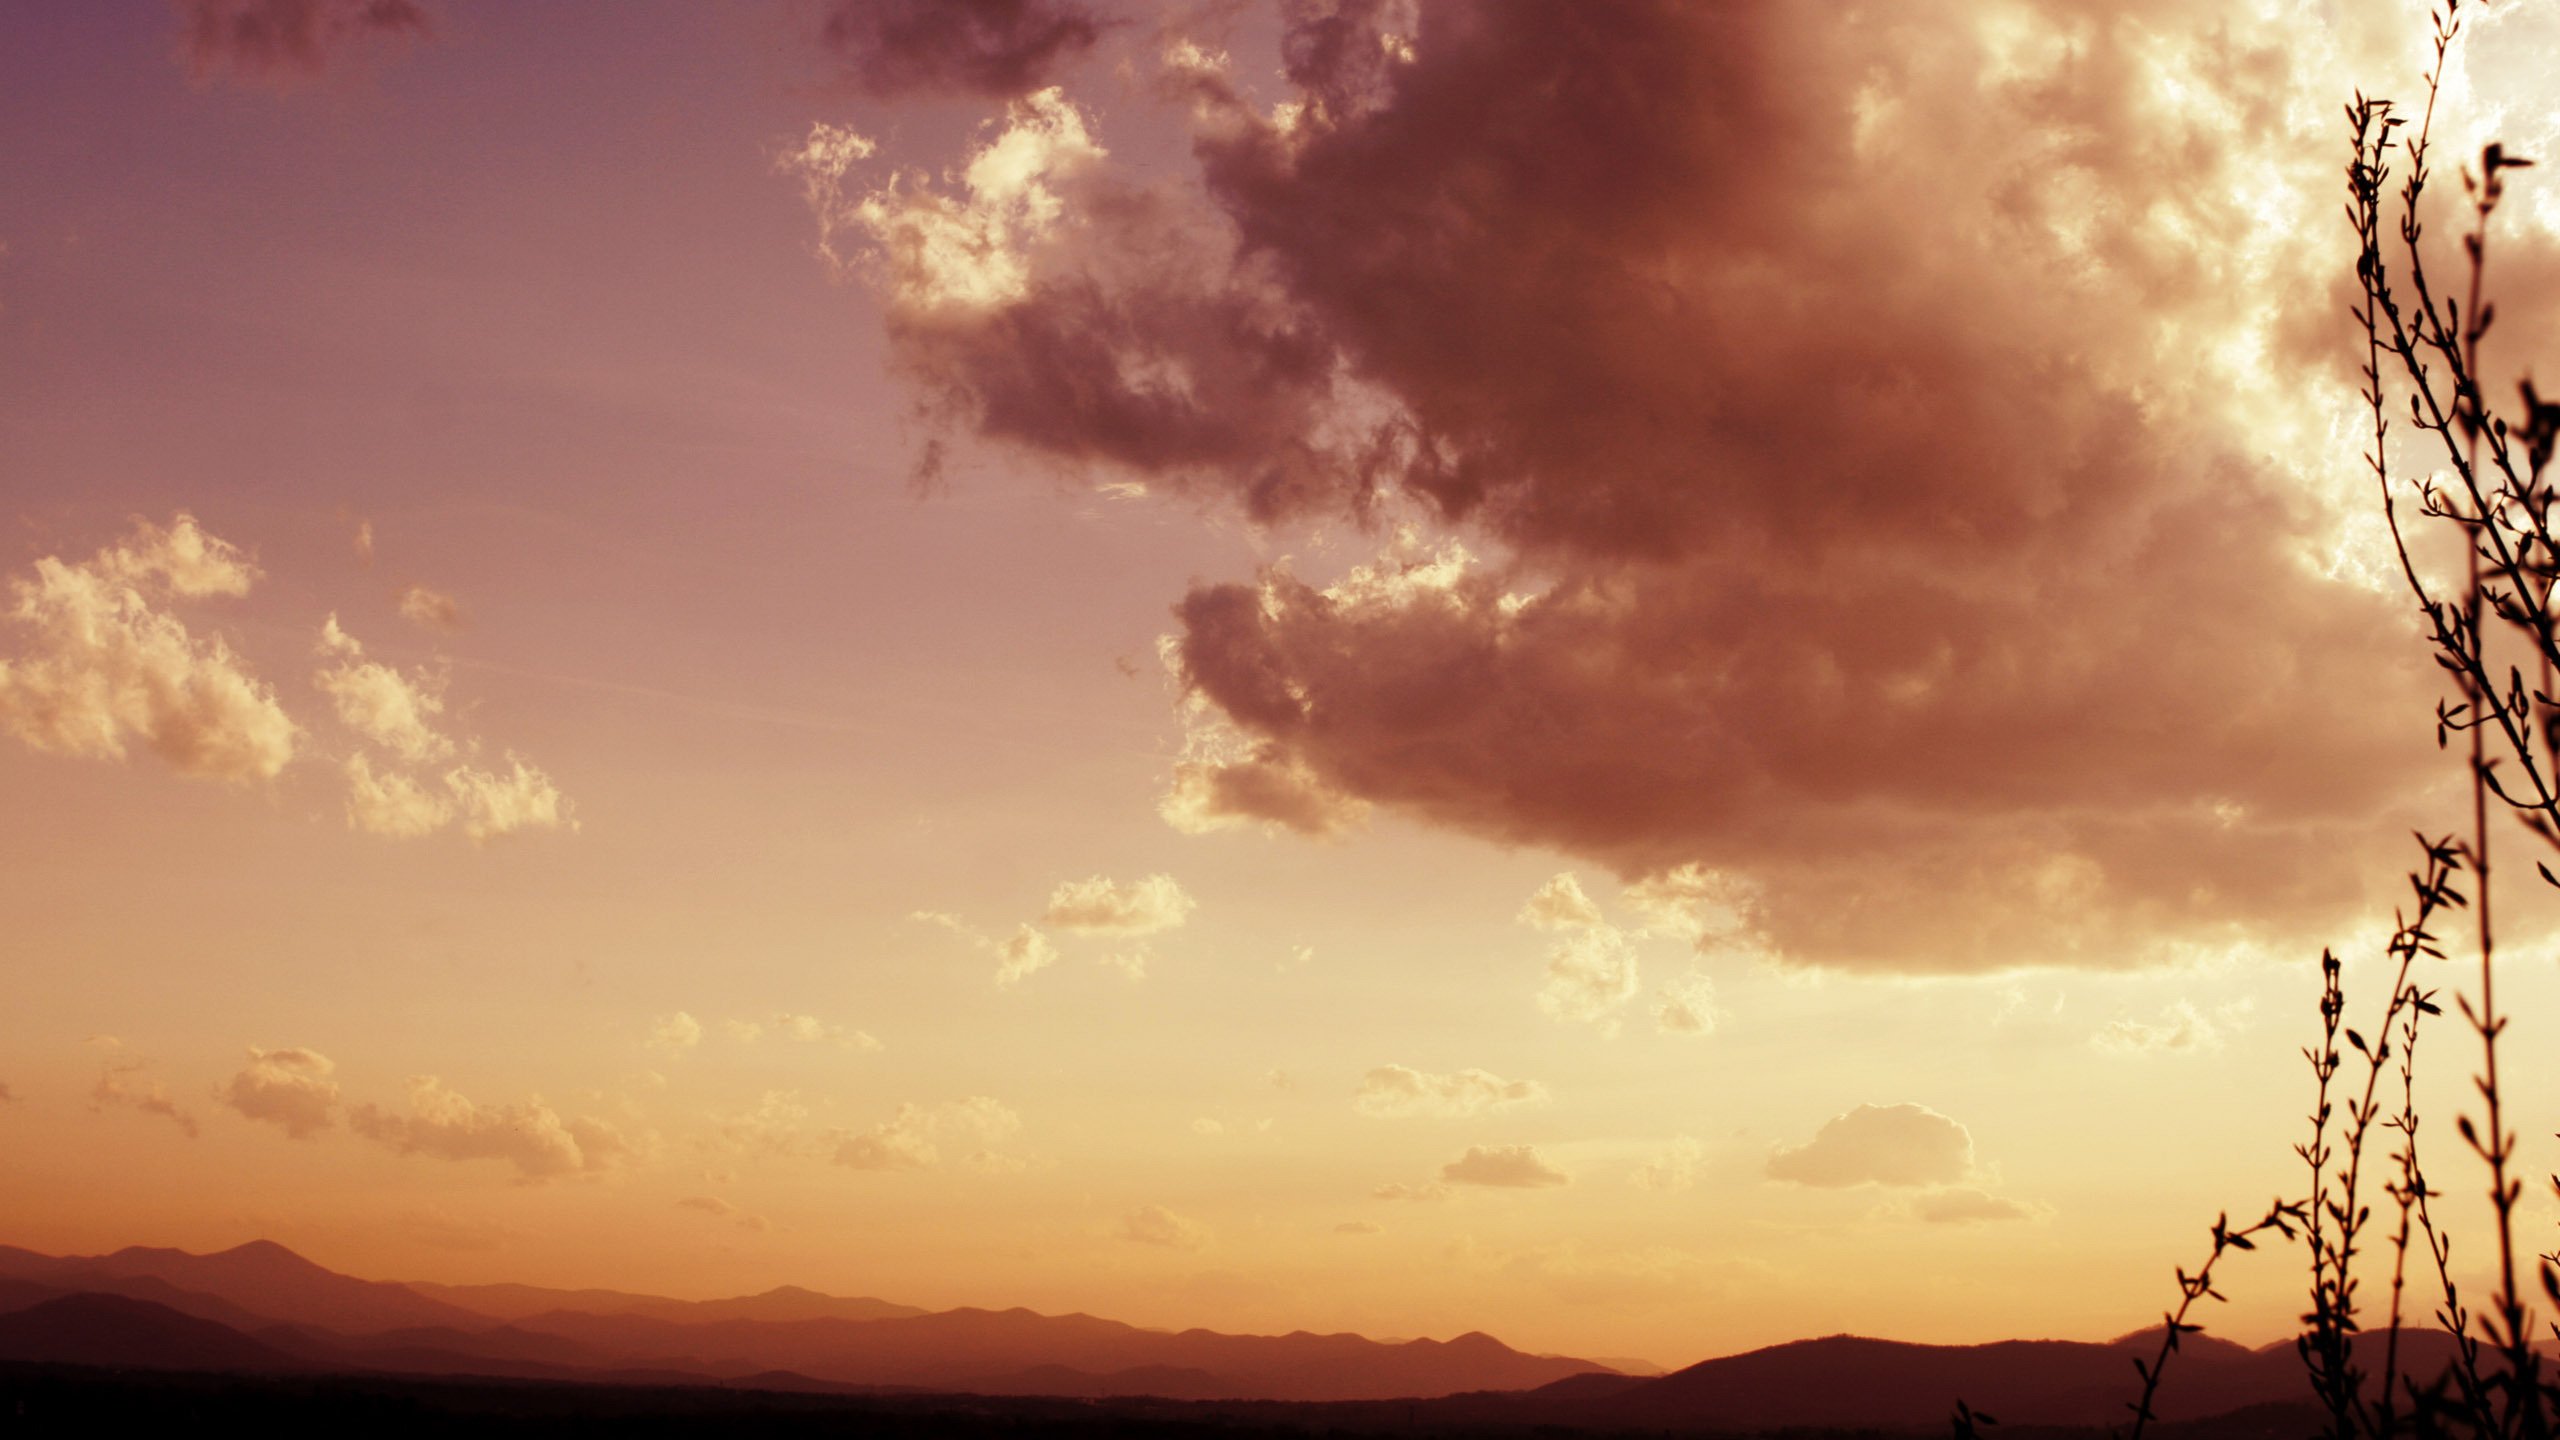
(282, 40)
(994, 48)
(1884, 421)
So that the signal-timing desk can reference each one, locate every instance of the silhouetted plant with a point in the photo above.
(2490, 495)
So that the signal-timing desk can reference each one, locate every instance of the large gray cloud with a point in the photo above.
(1880, 439)
(278, 41)
(999, 48)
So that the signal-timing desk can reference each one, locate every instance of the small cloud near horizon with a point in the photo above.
(1906, 1144)
(1398, 1091)
(1512, 1167)
(1155, 1225)
(292, 1089)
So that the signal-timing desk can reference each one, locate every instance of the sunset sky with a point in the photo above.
(1648, 677)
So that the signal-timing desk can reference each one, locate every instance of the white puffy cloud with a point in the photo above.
(431, 608)
(902, 1142)
(1155, 1225)
(948, 921)
(1591, 973)
(953, 253)
(1673, 1167)
(1591, 969)
(1686, 1006)
(674, 1034)
(1100, 907)
(1021, 954)
(398, 712)
(391, 804)
(335, 641)
(810, 1030)
(1396, 1091)
(911, 1139)
(1517, 1167)
(291, 1088)
(1560, 904)
(800, 1029)
(494, 803)
(1879, 1145)
(981, 1116)
(183, 558)
(530, 1136)
(775, 1126)
(124, 1080)
(104, 665)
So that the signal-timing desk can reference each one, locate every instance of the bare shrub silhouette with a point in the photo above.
(2481, 485)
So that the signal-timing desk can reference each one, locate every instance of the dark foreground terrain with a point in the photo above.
(63, 1400)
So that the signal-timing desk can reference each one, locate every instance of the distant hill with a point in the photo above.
(989, 1350)
(26, 1277)
(1163, 1381)
(115, 1332)
(261, 1308)
(294, 1311)
(1851, 1382)
(787, 1302)
(260, 1279)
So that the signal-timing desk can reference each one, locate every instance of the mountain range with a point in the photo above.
(261, 1309)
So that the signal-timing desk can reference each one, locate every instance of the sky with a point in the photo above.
(1653, 678)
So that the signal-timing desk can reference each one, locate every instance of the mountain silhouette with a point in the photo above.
(972, 1349)
(1852, 1382)
(290, 1310)
(74, 1276)
(783, 1302)
(115, 1332)
(259, 1279)
(260, 1308)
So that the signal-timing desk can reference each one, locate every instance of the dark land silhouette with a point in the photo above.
(258, 1333)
